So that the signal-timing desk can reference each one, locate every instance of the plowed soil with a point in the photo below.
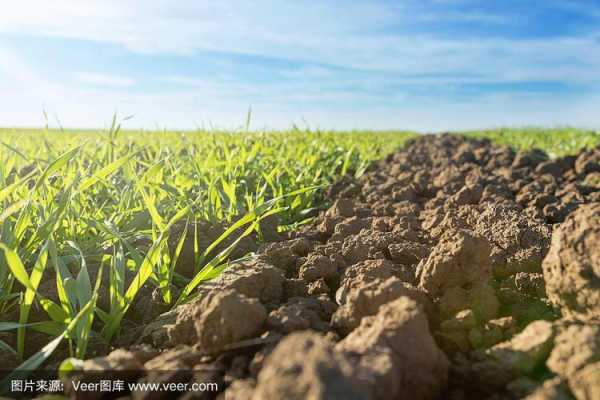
(452, 269)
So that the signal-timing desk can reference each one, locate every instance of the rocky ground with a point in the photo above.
(452, 269)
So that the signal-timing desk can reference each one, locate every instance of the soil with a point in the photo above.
(452, 269)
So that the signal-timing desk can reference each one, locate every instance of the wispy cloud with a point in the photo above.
(371, 63)
(310, 32)
(98, 79)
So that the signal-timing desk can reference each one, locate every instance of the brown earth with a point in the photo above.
(452, 269)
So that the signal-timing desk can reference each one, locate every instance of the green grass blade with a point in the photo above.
(10, 189)
(151, 206)
(103, 173)
(84, 326)
(83, 283)
(117, 279)
(16, 266)
(246, 219)
(204, 273)
(34, 280)
(56, 165)
(62, 274)
(166, 287)
(33, 362)
(9, 326)
(54, 311)
(12, 209)
(138, 281)
(4, 347)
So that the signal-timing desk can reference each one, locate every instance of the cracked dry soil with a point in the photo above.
(452, 269)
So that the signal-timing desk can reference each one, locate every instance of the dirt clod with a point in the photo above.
(253, 279)
(366, 300)
(572, 267)
(219, 319)
(398, 353)
(575, 347)
(461, 258)
(306, 366)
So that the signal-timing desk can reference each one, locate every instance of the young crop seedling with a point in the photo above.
(87, 220)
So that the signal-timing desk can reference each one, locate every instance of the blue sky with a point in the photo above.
(429, 65)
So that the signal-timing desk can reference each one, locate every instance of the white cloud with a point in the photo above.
(97, 79)
(15, 72)
(320, 32)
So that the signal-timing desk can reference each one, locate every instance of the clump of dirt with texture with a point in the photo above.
(452, 269)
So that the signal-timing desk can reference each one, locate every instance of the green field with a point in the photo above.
(556, 142)
(83, 198)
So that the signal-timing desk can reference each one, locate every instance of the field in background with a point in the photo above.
(69, 200)
(556, 142)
